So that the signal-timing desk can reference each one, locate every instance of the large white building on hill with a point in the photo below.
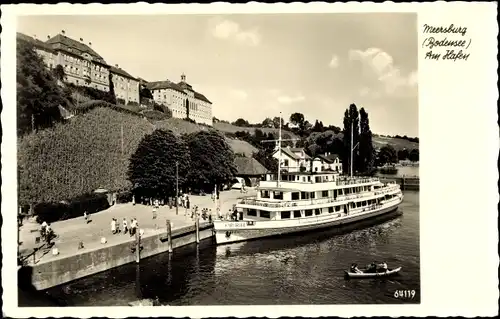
(182, 100)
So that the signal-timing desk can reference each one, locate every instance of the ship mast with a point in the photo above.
(352, 147)
(352, 143)
(279, 140)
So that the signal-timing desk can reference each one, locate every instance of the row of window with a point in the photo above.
(312, 195)
(317, 211)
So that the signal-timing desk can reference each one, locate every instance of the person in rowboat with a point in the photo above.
(383, 267)
(355, 269)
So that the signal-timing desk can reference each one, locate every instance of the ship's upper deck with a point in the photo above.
(313, 181)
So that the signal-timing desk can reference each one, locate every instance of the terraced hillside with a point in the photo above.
(91, 151)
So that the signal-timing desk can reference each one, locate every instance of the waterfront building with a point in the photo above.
(250, 170)
(295, 159)
(182, 100)
(125, 85)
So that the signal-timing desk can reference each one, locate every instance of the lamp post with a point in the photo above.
(177, 188)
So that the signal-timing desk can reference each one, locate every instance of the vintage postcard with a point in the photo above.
(261, 159)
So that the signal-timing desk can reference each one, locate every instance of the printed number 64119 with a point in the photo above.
(404, 294)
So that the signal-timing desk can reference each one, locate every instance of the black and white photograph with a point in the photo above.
(219, 159)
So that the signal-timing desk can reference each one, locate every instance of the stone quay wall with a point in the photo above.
(59, 271)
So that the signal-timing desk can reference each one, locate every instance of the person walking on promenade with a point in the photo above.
(187, 202)
(154, 212)
(113, 226)
(85, 217)
(125, 226)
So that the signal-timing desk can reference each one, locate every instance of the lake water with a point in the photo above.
(301, 269)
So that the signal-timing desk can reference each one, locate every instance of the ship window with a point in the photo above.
(305, 195)
(337, 208)
(358, 204)
(252, 212)
(308, 212)
(317, 179)
(308, 178)
(324, 193)
(296, 214)
(312, 195)
(295, 196)
(330, 209)
(285, 215)
(278, 195)
(265, 214)
(264, 194)
(317, 211)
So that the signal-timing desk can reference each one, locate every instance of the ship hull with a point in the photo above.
(229, 232)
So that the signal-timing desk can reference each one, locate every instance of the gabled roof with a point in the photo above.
(330, 158)
(249, 166)
(37, 43)
(289, 153)
(63, 43)
(160, 85)
(122, 73)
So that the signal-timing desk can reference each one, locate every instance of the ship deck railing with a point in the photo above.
(308, 202)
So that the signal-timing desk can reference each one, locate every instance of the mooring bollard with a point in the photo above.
(197, 226)
(137, 247)
(169, 236)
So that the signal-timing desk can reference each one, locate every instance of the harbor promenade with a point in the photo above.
(73, 231)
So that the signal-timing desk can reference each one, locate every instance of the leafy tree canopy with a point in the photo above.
(414, 155)
(212, 160)
(152, 168)
(38, 95)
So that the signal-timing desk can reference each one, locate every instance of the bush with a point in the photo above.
(90, 203)
(132, 103)
(154, 115)
(120, 101)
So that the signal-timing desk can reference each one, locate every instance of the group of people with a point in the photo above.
(371, 268)
(115, 227)
(46, 232)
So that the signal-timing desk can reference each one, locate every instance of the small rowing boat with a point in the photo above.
(364, 274)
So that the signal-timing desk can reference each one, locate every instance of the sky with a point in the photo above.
(255, 66)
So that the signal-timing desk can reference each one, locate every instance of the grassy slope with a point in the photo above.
(229, 128)
(397, 143)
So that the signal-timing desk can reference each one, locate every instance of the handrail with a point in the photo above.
(307, 202)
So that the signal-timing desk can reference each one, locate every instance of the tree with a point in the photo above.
(350, 120)
(403, 154)
(414, 155)
(366, 159)
(241, 122)
(268, 122)
(38, 95)
(152, 168)
(318, 127)
(276, 122)
(145, 93)
(297, 119)
(111, 94)
(265, 157)
(59, 73)
(212, 160)
(387, 155)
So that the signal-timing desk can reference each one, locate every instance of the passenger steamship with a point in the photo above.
(292, 202)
